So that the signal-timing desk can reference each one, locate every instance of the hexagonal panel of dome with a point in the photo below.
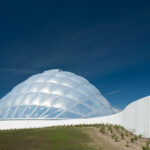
(54, 94)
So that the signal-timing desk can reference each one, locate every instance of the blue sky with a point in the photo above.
(107, 42)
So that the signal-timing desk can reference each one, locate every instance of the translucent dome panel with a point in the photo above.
(54, 94)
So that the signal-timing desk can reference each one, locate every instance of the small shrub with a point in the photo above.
(116, 138)
(127, 133)
(116, 127)
(102, 129)
(135, 138)
(122, 135)
(110, 128)
(122, 127)
(146, 147)
(132, 139)
(111, 131)
(127, 144)
(113, 136)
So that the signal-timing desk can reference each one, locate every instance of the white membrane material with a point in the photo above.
(54, 94)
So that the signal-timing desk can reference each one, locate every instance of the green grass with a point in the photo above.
(56, 138)
(79, 137)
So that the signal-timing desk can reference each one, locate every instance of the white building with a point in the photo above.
(57, 97)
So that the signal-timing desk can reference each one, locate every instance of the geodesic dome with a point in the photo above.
(54, 94)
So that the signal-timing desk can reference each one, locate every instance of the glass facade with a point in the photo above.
(54, 94)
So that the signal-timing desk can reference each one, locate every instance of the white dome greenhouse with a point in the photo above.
(54, 94)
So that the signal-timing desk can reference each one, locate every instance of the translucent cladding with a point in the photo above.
(54, 94)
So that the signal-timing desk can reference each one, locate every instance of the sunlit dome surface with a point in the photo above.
(54, 94)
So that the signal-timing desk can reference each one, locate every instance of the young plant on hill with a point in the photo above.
(102, 129)
(127, 144)
(122, 135)
(147, 146)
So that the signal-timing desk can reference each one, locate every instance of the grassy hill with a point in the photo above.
(93, 137)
